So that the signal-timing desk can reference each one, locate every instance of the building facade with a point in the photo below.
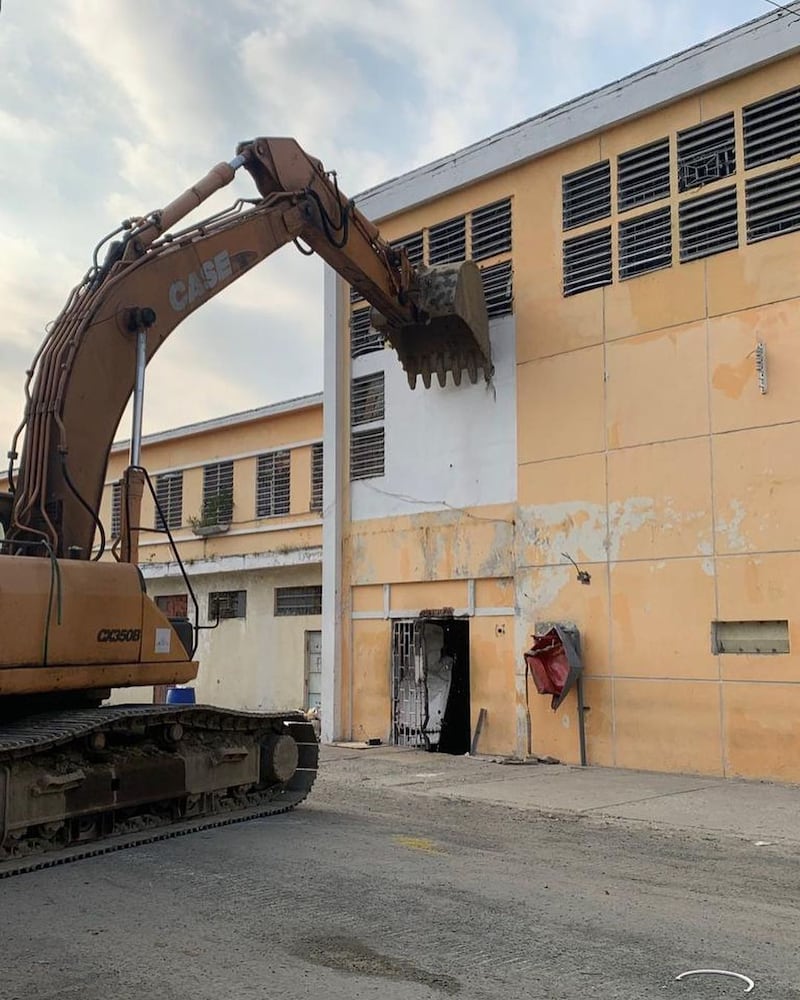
(236, 544)
(629, 468)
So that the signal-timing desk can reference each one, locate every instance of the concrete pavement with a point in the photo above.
(763, 813)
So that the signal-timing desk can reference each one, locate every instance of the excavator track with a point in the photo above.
(75, 785)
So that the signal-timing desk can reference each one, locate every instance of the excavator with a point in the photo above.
(80, 776)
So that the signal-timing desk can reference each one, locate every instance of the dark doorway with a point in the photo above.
(456, 729)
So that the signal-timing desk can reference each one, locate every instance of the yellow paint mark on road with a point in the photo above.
(417, 844)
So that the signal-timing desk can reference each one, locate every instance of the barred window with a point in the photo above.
(645, 243)
(363, 339)
(498, 289)
(116, 510)
(447, 241)
(367, 399)
(706, 153)
(367, 454)
(227, 604)
(169, 493)
(772, 128)
(586, 195)
(643, 175)
(273, 484)
(218, 493)
(413, 247)
(587, 262)
(708, 224)
(491, 230)
(298, 601)
(773, 204)
(316, 475)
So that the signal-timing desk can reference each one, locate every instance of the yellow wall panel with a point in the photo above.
(668, 726)
(492, 672)
(494, 593)
(757, 489)
(762, 737)
(371, 680)
(660, 500)
(415, 597)
(657, 387)
(560, 405)
(661, 613)
(368, 598)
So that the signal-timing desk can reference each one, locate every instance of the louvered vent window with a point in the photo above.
(298, 601)
(498, 289)
(772, 128)
(773, 204)
(491, 230)
(643, 175)
(218, 493)
(116, 510)
(708, 224)
(316, 476)
(447, 241)
(363, 339)
(367, 454)
(645, 244)
(227, 604)
(413, 247)
(367, 399)
(169, 493)
(273, 484)
(586, 195)
(587, 262)
(706, 153)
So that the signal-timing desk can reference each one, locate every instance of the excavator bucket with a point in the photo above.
(455, 335)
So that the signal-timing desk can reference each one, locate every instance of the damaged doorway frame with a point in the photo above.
(411, 724)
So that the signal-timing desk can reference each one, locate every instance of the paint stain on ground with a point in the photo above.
(344, 954)
(418, 844)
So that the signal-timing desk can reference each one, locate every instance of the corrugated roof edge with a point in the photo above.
(763, 40)
(216, 423)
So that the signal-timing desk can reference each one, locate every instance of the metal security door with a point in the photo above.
(408, 686)
(314, 670)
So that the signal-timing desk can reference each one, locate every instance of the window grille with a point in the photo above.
(169, 491)
(586, 195)
(218, 493)
(367, 399)
(643, 175)
(116, 510)
(491, 230)
(587, 262)
(447, 241)
(772, 128)
(708, 224)
(413, 247)
(645, 243)
(773, 204)
(316, 476)
(273, 484)
(227, 604)
(363, 339)
(298, 601)
(706, 153)
(498, 289)
(367, 454)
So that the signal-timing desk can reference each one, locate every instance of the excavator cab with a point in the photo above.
(454, 333)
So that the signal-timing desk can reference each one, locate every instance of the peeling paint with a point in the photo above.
(732, 379)
(730, 527)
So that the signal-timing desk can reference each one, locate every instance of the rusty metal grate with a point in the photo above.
(498, 289)
(643, 175)
(298, 601)
(408, 696)
(645, 243)
(773, 204)
(490, 230)
(227, 604)
(447, 241)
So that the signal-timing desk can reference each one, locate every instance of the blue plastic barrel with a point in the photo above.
(180, 696)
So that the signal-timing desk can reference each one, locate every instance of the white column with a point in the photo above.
(334, 484)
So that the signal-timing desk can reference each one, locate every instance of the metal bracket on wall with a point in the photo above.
(761, 366)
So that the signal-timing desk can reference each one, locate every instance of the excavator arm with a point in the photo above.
(154, 277)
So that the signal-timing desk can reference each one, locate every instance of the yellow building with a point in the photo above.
(237, 546)
(641, 255)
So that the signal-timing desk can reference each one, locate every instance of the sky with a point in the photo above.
(110, 108)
